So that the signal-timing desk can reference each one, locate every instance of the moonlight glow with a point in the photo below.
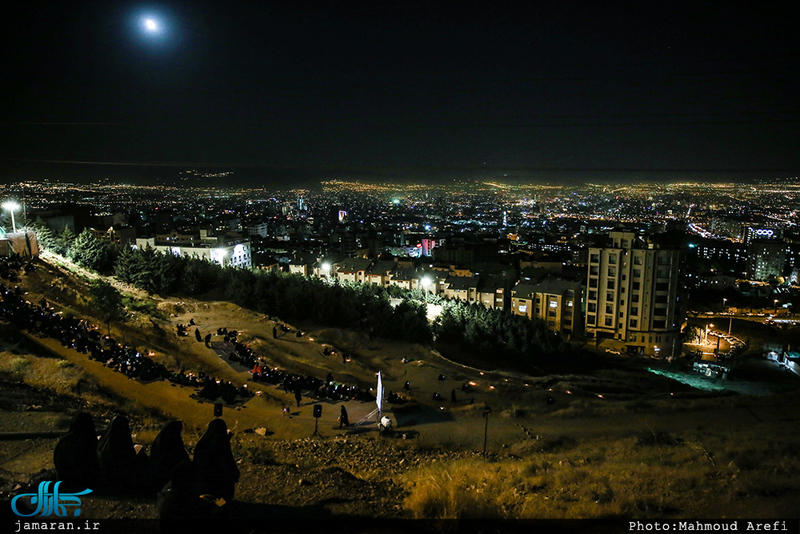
(151, 25)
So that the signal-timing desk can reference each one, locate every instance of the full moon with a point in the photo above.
(151, 25)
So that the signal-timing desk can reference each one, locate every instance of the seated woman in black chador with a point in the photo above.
(75, 455)
(216, 469)
(179, 502)
(120, 466)
(166, 453)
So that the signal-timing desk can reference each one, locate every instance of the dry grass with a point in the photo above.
(56, 375)
(649, 475)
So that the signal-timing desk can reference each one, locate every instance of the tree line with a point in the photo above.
(494, 334)
(488, 333)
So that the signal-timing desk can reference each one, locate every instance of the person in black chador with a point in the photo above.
(120, 469)
(298, 394)
(166, 453)
(274, 332)
(453, 396)
(216, 469)
(75, 455)
(197, 334)
(179, 503)
(343, 419)
(208, 340)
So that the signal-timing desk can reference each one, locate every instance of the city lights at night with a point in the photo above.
(277, 267)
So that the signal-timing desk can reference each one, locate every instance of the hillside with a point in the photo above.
(614, 441)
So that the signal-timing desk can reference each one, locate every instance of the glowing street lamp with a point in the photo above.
(425, 281)
(219, 255)
(776, 300)
(326, 268)
(12, 206)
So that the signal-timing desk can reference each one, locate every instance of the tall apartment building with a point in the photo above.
(765, 259)
(634, 295)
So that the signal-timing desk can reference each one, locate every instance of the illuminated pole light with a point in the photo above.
(11, 206)
(219, 255)
(425, 281)
(326, 268)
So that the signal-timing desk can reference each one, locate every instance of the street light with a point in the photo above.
(218, 254)
(11, 206)
(776, 300)
(326, 268)
(425, 281)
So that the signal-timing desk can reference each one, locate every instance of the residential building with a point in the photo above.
(379, 273)
(554, 301)
(634, 293)
(765, 259)
(463, 288)
(352, 269)
(221, 250)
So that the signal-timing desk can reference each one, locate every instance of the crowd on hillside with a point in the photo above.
(291, 382)
(43, 320)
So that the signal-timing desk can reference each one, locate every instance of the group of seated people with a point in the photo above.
(183, 329)
(10, 265)
(78, 334)
(316, 387)
(213, 389)
(113, 465)
(394, 398)
(291, 382)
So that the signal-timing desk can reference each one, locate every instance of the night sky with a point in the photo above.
(291, 90)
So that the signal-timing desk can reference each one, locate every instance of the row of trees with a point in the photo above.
(346, 305)
(497, 334)
(84, 249)
(489, 333)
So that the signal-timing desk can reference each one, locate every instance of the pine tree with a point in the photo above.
(167, 270)
(123, 267)
(44, 235)
(107, 301)
(64, 241)
(88, 251)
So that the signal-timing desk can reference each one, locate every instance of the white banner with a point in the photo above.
(379, 398)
